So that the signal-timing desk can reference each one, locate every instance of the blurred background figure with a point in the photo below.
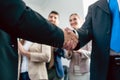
(80, 59)
(34, 58)
(56, 71)
(24, 59)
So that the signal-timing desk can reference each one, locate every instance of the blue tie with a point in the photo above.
(115, 35)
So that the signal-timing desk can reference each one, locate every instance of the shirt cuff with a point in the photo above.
(76, 33)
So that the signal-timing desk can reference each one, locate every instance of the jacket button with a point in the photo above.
(108, 32)
(107, 49)
(12, 45)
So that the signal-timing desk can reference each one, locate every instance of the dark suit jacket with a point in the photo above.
(97, 27)
(17, 20)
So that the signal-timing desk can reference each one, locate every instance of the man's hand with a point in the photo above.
(70, 39)
(22, 50)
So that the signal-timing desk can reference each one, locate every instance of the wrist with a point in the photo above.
(27, 54)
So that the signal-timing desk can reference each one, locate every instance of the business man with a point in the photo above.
(54, 67)
(18, 20)
(99, 27)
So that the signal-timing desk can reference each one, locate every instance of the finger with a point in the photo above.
(68, 30)
(66, 45)
(74, 44)
(69, 45)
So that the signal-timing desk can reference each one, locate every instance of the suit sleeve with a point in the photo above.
(21, 21)
(85, 32)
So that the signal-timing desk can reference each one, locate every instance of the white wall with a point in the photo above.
(86, 4)
(64, 7)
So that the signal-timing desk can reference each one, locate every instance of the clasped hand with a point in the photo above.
(70, 39)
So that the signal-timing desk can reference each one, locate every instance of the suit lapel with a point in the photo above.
(103, 4)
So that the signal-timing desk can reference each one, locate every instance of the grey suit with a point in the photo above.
(18, 20)
(97, 27)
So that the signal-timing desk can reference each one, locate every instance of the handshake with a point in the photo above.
(70, 39)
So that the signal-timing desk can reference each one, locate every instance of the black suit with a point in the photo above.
(97, 27)
(17, 20)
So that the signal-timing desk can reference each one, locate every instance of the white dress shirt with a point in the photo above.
(24, 64)
(119, 4)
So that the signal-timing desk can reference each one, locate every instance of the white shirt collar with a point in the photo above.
(119, 4)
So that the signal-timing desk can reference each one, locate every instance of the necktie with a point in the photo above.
(115, 35)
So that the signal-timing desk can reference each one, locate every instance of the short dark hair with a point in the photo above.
(54, 12)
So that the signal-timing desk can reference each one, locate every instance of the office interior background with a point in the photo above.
(63, 7)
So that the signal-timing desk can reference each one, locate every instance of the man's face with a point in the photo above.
(53, 18)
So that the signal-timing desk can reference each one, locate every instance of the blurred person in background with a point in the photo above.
(79, 59)
(34, 58)
(55, 67)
